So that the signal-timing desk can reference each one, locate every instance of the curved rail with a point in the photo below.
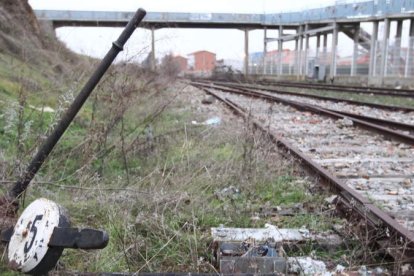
(387, 231)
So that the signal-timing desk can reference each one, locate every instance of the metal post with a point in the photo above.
(306, 50)
(280, 50)
(397, 52)
(384, 55)
(408, 66)
(355, 53)
(373, 48)
(334, 45)
(153, 63)
(246, 52)
(264, 50)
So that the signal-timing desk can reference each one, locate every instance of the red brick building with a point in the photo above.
(182, 63)
(202, 61)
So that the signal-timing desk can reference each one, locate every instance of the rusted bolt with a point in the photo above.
(14, 265)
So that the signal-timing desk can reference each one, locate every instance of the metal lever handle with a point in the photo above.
(79, 238)
(67, 237)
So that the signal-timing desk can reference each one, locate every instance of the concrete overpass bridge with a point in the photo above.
(300, 26)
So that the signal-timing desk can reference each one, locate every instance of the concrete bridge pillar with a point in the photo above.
(373, 53)
(246, 52)
(318, 46)
(334, 46)
(264, 51)
(306, 51)
(153, 61)
(355, 52)
(410, 52)
(324, 59)
(297, 53)
(397, 56)
(300, 53)
(384, 52)
(280, 50)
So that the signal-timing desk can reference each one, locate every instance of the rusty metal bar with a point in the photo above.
(21, 185)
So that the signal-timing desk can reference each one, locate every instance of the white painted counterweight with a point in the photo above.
(29, 242)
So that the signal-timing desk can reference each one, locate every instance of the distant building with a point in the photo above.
(181, 62)
(202, 61)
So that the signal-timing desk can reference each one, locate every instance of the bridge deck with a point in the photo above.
(346, 12)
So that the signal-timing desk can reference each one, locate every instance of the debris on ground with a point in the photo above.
(240, 249)
(210, 122)
(345, 122)
(208, 100)
(269, 232)
(228, 192)
(331, 199)
(307, 266)
(340, 269)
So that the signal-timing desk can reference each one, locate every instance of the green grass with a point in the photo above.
(8, 88)
(157, 202)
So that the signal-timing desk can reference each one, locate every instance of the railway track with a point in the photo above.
(401, 130)
(278, 91)
(380, 91)
(372, 173)
(396, 118)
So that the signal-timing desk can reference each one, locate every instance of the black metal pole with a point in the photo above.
(21, 185)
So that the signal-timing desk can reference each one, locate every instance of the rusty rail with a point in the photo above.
(326, 98)
(387, 92)
(388, 231)
(359, 120)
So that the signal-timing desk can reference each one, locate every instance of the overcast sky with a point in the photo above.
(228, 44)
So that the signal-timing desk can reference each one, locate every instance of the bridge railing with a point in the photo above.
(344, 10)
(341, 10)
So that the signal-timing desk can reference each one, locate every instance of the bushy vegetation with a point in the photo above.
(132, 163)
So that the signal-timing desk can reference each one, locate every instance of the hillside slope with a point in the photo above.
(18, 27)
